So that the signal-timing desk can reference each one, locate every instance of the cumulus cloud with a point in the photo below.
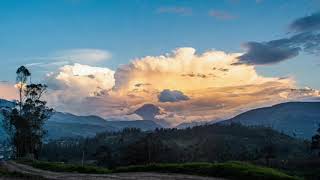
(200, 86)
(306, 39)
(184, 70)
(76, 82)
(172, 96)
(218, 88)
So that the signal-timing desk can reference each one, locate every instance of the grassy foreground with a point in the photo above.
(61, 167)
(230, 170)
(16, 175)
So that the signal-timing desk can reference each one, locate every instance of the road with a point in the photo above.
(21, 168)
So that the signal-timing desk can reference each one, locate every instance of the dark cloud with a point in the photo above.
(306, 40)
(91, 76)
(172, 96)
(198, 75)
(264, 53)
(308, 23)
(142, 84)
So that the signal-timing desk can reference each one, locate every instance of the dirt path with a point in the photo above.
(15, 167)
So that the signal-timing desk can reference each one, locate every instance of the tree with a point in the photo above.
(21, 79)
(104, 157)
(269, 152)
(25, 123)
(315, 142)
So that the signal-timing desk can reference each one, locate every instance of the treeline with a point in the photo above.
(209, 143)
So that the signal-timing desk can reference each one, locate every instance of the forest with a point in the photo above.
(208, 143)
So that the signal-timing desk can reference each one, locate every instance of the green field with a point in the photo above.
(230, 170)
(16, 175)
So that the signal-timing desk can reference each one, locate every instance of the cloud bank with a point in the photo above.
(188, 87)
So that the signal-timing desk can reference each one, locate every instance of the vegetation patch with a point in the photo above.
(62, 167)
(5, 173)
(230, 170)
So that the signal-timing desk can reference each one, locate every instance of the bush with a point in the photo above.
(5, 173)
(232, 170)
(61, 167)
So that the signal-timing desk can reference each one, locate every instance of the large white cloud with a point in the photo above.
(74, 83)
(184, 70)
(215, 87)
(81, 78)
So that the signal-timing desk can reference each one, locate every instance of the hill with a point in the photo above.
(298, 119)
(69, 125)
(198, 144)
(150, 112)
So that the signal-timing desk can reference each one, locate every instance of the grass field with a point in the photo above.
(61, 167)
(229, 170)
(15, 175)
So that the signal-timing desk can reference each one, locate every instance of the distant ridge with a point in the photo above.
(69, 125)
(150, 112)
(298, 119)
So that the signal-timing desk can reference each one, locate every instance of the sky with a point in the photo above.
(197, 60)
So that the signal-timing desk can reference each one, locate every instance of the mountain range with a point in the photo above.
(70, 125)
(297, 119)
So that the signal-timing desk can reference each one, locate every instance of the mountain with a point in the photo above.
(299, 119)
(69, 125)
(4, 104)
(150, 112)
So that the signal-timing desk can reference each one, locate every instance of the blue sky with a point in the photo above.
(198, 60)
(137, 28)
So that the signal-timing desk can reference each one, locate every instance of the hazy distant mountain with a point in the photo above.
(69, 125)
(298, 119)
(4, 104)
(150, 111)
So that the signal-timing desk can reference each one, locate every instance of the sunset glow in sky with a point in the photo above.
(197, 61)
